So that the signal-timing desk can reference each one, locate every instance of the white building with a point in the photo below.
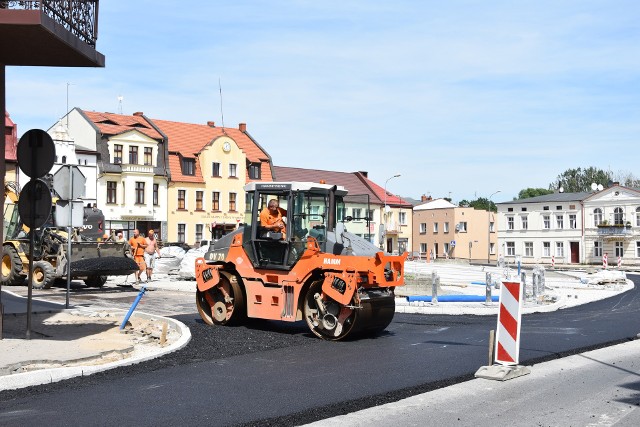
(572, 228)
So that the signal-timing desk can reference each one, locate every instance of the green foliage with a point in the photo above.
(532, 192)
(480, 203)
(580, 180)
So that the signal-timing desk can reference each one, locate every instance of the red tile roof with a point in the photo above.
(175, 167)
(115, 124)
(356, 183)
(189, 139)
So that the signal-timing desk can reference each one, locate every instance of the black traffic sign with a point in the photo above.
(34, 204)
(36, 153)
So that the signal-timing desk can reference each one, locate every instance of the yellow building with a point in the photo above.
(209, 167)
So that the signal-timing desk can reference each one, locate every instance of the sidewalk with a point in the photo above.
(78, 341)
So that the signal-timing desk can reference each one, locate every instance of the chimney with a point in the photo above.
(211, 124)
(138, 113)
(242, 127)
(423, 198)
(364, 173)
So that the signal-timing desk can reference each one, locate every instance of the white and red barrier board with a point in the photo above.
(508, 333)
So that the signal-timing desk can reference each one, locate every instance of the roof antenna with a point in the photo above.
(120, 99)
(221, 112)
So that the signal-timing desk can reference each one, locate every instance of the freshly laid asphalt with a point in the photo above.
(569, 290)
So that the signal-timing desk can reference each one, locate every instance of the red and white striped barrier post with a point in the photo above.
(604, 261)
(553, 261)
(509, 316)
(619, 261)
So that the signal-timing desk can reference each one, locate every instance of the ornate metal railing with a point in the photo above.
(80, 17)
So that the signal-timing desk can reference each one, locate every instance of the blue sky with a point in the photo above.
(462, 98)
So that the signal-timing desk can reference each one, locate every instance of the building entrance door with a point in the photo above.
(575, 252)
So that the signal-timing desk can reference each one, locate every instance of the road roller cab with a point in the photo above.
(297, 262)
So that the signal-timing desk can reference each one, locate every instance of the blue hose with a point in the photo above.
(453, 298)
(133, 307)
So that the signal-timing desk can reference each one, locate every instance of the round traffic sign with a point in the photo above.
(34, 204)
(36, 153)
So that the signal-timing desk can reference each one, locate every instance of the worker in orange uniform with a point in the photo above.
(272, 216)
(138, 245)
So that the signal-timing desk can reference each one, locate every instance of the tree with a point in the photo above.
(627, 179)
(580, 180)
(532, 192)
(480, 203)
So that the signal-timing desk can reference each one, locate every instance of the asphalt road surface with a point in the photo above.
(270, 373)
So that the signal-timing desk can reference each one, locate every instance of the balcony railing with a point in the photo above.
(614, 230)
(80, 17)
(127, 167)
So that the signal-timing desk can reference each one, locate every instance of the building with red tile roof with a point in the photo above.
(364, 194)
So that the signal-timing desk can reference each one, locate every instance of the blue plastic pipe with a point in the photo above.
(133, 307)
(453, 298)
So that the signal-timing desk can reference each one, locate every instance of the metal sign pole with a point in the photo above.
(69, 231)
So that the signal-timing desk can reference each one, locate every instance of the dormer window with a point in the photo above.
(188, 167)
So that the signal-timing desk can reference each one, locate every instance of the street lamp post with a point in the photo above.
(385, 206)
(489, 229)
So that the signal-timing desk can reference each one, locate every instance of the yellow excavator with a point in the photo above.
(92, 260)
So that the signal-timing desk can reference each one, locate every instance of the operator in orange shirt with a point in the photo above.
(272, 216)
(138, 243)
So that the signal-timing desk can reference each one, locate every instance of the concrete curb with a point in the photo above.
(47, 376)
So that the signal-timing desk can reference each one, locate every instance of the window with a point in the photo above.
(402, 218)
(446, 248)
(491, 226)
(525, 222)
(156, 194)
(637, 217)
(233, 170)
(492, 248)
(182, 196)
(215, 169)
(619, 249)
(462, 227)
(435, 227)
(445, 228)
(199, 229)
(215, 201)
(199, 197)
(133, 155)
(182, 230)
(511, 248)
(546, 248)
(232, 202)
(356, 212)
(597, 217)
(111, 191)
(139, 192)
(545, 208)
(510, 223)
(117, 154)
(559, 221)
(509, 209)
(370, 214)
(546, 220)
(254, 171)
(618, 216)
(423, 248)
(423, 228)
(573, 222)
(64, 159)
(188, 167)
(558, 208)
(248, 202)
(523, 209)
(597, 249)
(559, 249)
(341, 210)
(148, 153)
(528, 249)
(637, 249)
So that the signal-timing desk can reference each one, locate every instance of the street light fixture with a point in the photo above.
(489, 229)
(385, 206)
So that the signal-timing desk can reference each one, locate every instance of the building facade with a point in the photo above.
(444, 230)
(572, 228)
(209, 166)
